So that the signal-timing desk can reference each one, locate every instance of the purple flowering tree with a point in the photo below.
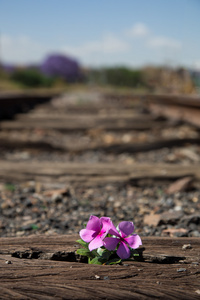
(58, 65)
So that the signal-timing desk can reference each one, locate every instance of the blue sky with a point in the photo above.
(102, 32)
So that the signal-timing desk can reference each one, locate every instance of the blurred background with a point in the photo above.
(99, 114)
(150, 45)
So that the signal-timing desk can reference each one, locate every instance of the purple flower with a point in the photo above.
(96, 230)
(125, 238)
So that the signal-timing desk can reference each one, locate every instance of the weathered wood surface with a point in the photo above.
(11, 142)
(82, 124)
(100, 114)
(146, 146)
(94, 172)
(166, 270)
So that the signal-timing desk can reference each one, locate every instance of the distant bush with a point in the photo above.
(195, 76)
(31, 78)
(118, 76)
(58, 65)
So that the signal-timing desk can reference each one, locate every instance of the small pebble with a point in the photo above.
(187, 246)
(181, 270)
(195, 233)
(195, 199)
(8, 262)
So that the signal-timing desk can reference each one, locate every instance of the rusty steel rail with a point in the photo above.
(175, 107)
(181, 100)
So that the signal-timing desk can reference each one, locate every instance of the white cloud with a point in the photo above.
(164, 42)
(196, 65)
(109, 49)
(109, 44)
(24, 50)
(138, 30)
(21, 49)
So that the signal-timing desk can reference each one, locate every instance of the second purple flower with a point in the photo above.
(125, 238)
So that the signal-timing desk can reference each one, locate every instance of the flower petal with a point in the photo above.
(95, 243)
(103, 234)
(94, 224)
(126, 228)
(111, 243)
(123, 251)
(134, 241)
(108, 226)
(87, 235)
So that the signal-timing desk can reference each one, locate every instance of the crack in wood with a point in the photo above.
(71, 256)
(30, 254)
(163, 259)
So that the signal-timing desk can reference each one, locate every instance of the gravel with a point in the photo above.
(26, 210)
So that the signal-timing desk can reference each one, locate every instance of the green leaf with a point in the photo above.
(106, 254)
(95, 261)
(134, 252)
(84, 244)
(84, 252)
(114, 261)
(95, 253)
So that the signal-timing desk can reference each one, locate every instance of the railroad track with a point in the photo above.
(111, 126)
(181, 108)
